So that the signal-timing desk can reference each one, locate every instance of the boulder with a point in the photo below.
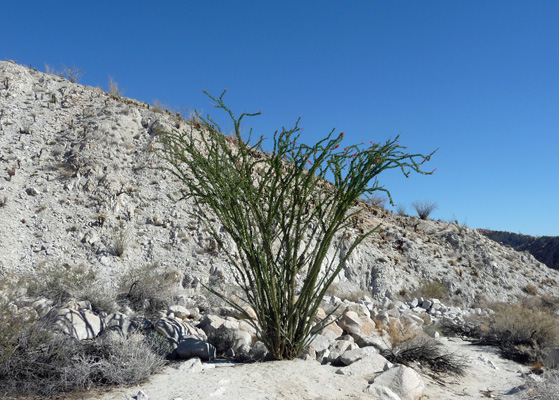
(337, 348)
(118, 322)
(193, 365)
(366, 367)
(180, 311)
(82, 324)
(350, 322)
(378, 342)
(402, 380)
(177, 330)
(351, 356)
(382, 392)
(191, 347)
(332, 331)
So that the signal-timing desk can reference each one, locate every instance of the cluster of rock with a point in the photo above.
(354, 342)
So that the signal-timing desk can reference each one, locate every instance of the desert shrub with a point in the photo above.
(280, 212)
(410, 344)
(354, 296)
(424, 208)
(522, 333)
(120, 240)
(121, 359)
(378, 200)
(545, 388)
(114, 89)
(61, 282)
(426, 352)
(159, 344)
(148, 288)
(401, 210)
(430, 289)
(532, 290)
(48, 364)
(73, 73)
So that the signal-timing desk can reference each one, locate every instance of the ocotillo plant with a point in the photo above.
(281, 212)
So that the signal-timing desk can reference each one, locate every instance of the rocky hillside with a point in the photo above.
(545, 249)
(78, 188)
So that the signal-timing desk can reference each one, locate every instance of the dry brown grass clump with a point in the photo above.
(431, 289)
(524, 332)
(411, 345)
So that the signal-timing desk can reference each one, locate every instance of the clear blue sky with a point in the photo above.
(477, 79)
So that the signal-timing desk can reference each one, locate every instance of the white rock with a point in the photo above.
(403, 381)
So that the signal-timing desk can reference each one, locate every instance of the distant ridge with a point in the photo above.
(544, 248)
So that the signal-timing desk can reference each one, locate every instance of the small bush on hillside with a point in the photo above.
(401, 210)
(522, 333)
(114, 89)
(149, 289)
(73, 73)
(431, 290)
(120, 240)
(427, 352)
(378, 200)
(61, 282)
(424, 208)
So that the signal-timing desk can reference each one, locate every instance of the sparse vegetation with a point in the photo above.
(48, 364)
(431, 289)
(424, 208)
(61, 282)
(120, 240)
(410, 345)
(73, 73)
(401, 210)
(148, 288)
(281, 213)
(532, 290)
(114, 89)
(378, 200)
(522, 331)
(545, 388)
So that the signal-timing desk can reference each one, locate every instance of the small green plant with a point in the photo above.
(424, 208)
(281, 213)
